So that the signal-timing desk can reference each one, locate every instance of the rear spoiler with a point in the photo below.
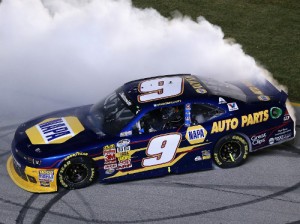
(260, 91)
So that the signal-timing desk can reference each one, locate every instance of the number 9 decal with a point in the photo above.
(161, 88)
(162, 149)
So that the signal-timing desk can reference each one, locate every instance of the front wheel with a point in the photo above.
(76, 172)
(231, 151)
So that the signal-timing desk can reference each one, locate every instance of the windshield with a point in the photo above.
(110, 115)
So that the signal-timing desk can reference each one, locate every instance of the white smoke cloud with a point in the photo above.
(61, 53)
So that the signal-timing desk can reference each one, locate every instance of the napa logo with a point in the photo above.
(196, 134)
(54, 130)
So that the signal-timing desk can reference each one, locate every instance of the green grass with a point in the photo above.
(268, 30)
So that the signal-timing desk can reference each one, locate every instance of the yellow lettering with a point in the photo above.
(250, 120)
(244, 120)
(260, 116)
(266, 115)
(214, 128)
(255, 90)
(228, 124)
(256, 118)
(234, 123)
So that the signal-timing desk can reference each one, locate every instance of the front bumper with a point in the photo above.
(32, 179)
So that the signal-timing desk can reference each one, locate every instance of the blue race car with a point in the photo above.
(148, 128)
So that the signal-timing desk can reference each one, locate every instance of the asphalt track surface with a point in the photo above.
(264, 190)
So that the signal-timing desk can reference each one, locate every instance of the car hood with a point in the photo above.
(56, 132)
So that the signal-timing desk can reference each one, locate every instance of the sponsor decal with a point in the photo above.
(283, 137)
(109, 171)
(37, 162)
(166, 103)
(221, 100)
(263, 98)
(195, 84)
(275, 112)
(286, 116)
(110, 166)
(196, 134)
(228, 124)
(187, 115)
(123, 145)
(125, 133)
(198, 158)
(202, 91)
(127, 101)
(45, 184)
(76, 154)
(123, 156)
(109, 153)
(244, 121)
(283, 131)
(46, 175)
(124, 160)
(124, 164)
(257, 91)
(258, 139)
(232, 106)
(255, 118)
(206, 154)
(54, 130)
(109, 156)
(282, 134)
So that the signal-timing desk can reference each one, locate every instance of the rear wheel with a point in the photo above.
(231, 151)
(76, 172)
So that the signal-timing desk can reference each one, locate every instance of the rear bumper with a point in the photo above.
(32, 179)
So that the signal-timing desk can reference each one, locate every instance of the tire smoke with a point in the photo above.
(60, 53)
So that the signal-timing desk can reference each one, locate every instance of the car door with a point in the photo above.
(151, 147)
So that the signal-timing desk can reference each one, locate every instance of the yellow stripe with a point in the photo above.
(188, 148)
(120, 174)
(295, 104)
(180, 150)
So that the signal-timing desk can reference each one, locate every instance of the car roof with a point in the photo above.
(192, 89)
(198, 88)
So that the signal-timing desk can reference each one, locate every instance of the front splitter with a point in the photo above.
(26, 185)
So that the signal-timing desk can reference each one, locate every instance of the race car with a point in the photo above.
(148, 128)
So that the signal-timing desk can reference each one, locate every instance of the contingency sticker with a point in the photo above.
(54, 130)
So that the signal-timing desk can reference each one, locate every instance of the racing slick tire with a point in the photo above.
(76, 172)
(231, 151)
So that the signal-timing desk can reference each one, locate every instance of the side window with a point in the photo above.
(201, 113)
(160, 119)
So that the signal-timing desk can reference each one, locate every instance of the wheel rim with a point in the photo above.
(76, 173)
(230, 152)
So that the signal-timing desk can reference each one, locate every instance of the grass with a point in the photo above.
(268, 30)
